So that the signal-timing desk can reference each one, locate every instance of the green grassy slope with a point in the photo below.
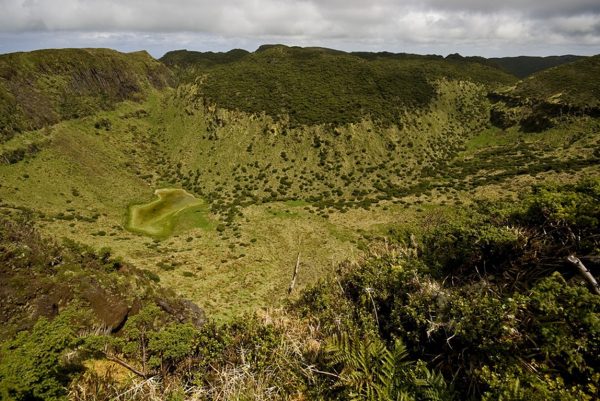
(47, 86)
(187, 65)
(233, 158)
(81, 181)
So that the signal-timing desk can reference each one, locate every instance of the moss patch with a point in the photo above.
(173, 208)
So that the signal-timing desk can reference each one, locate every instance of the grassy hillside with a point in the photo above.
(318, 86)
(550, 97)
(571, 84)
(523, 66)
(82, 180)
(46, 86)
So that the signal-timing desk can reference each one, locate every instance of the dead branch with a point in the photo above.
(312, 369)
(293, 283)
(585, 273)
(128, 366)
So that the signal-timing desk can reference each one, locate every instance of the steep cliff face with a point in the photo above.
(47, 86)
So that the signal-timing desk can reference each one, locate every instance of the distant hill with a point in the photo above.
(524, 66)
(539, 101)
(316, 85)
(182, 58)
(47, 86)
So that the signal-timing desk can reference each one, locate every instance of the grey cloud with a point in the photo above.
(373, 25)
(531, 7)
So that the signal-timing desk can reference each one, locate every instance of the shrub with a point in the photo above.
(34, 365)
(103, 123)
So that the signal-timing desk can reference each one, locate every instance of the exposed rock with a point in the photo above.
(183, 310)
(112, 310)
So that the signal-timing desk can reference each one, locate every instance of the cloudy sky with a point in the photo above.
(470, 27)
